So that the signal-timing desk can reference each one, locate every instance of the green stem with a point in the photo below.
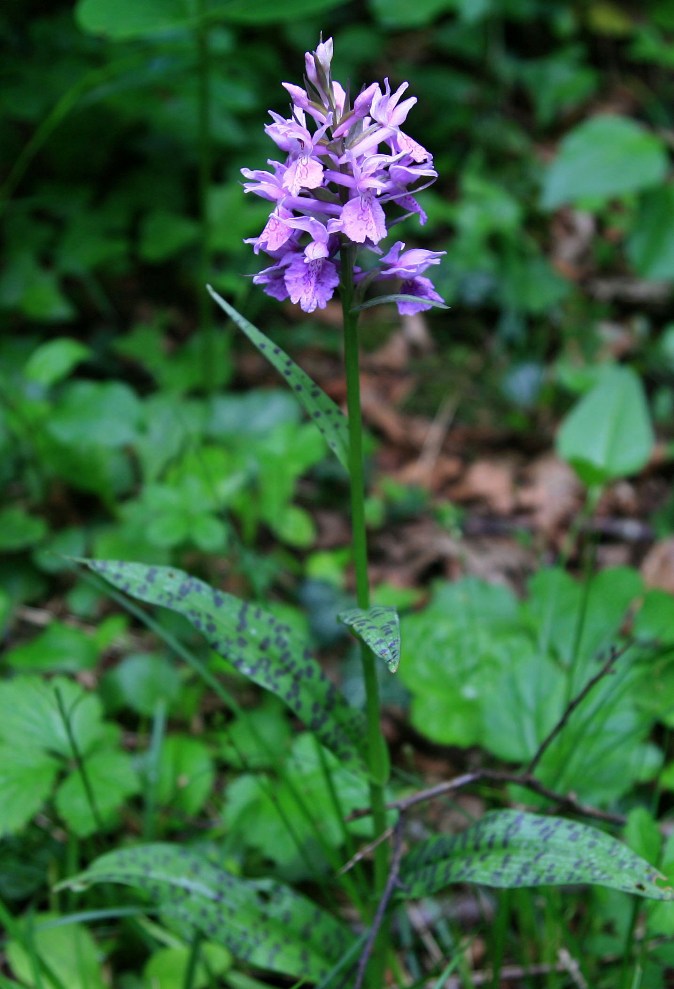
(377, 752)
(204, 181)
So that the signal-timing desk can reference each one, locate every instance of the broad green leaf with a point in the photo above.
(68, 951)
(653, 622)
(448, 654)
(603, 157)
(93, 413)
(256, 643)
(125, 19)
(186, 774)
(513, 849)
(323, 412)
(54, 360)
(484, 670)
(403, 14)
(26, 780)
(59, 647)
(19, 530)
(608, 434)
(163, 234)
(262, 923)
(30, 716)
(168, 968)
(140, 682)
(379, 628)
(271, 12)
(112, 781)
(642, 834)
(651, 244)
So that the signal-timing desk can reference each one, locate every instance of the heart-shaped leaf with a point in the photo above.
(608, 434)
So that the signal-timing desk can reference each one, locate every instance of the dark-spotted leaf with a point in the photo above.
(254, 641)
(379, 628)
(511, 849)
(322, 411)
(263, 923)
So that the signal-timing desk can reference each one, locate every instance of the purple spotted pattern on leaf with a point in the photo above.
(379, 628)
(256, 643)
(350, 172)
(261, 922)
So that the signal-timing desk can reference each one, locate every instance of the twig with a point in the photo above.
(366, 849)
(614, 655)
(510, 973)
(391, 883)
(566, 800)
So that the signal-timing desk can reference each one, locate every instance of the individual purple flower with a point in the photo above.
(350, 172)
(399, 263)
(425, 292)
(312, 283)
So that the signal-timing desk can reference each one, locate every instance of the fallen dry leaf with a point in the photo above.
(551, 494)
(658, 566)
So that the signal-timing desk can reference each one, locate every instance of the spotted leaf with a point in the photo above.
(253, 640)
(379, 628)
(322, 411)
(261, 922)
(510, 848)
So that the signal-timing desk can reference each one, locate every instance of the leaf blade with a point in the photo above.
(263, 923)
(514, 849)
(379, 628)
(326, 416)
(255, 642)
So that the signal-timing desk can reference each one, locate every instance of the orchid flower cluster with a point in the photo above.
(333, 189)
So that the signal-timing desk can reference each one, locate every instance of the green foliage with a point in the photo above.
(379, 628)
(255, 642)
(123, 434)
(262, 922)
(323, 412)
(53, 729)
(603, 157)
(513, 849)
(296, 822)
(45, 955)
(483, 669)
(608, 434)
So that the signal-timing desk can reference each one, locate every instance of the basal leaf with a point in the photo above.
(379, 628)
(608, 434)
(322, 411)
(254, 641)
(511, 849)
(263, 923)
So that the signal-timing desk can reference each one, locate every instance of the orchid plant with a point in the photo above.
(350, 173)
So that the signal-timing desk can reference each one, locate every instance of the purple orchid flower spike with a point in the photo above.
(347, 167)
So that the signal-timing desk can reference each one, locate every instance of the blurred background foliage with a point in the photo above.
(122, 133)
